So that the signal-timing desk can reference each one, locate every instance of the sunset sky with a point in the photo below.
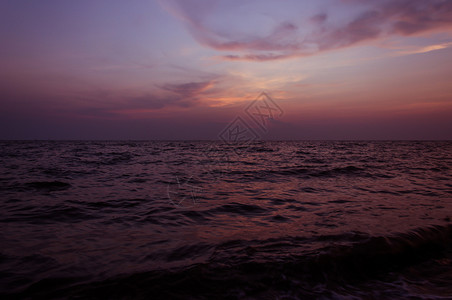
(183, 69)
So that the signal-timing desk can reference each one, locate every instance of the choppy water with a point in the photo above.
(201, 220)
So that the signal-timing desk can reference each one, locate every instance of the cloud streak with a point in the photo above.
(287, 39)
(182, 95)
(103, 104)
(425, 49)
(190, 89)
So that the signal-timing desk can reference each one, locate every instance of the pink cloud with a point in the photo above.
(190, 89)
(379, 19)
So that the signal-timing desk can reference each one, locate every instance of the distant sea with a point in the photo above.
(208, 220)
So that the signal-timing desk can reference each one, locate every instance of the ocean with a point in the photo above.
(213, 220)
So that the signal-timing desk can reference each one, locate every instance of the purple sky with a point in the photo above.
(183, 69)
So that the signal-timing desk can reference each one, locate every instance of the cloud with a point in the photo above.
(190, 89)
(258, 57)
(287, 39)
(183, 95)
(170, 95)
(103, 104)
(155, 101)
(425, 49)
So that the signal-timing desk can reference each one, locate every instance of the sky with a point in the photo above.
(185, 69)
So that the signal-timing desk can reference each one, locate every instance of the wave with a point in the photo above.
(320, 171)
(48, 185)
(47, 214)
(239, 208)
(320, 273)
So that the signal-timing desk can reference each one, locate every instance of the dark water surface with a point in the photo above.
(202, 220)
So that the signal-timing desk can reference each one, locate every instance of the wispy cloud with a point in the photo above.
(425, 49)
(182, 95)
(190, 89)
(287, 39)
